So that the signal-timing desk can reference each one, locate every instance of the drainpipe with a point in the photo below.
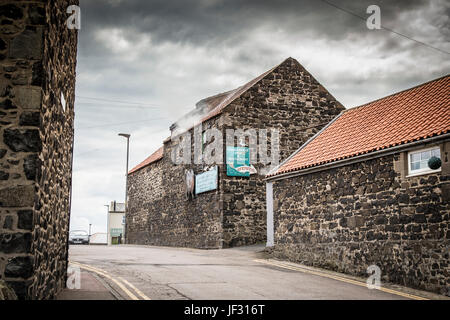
(107, 225)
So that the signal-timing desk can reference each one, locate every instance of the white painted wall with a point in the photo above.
(98, 238)
(115, 222)
(269, 207)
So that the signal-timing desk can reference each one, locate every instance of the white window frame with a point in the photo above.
(423, 171)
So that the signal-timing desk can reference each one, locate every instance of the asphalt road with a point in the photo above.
(144, 272)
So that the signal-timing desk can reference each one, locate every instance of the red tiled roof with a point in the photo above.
(155, 156)
(414, 114)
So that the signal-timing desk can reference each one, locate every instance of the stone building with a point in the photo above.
(37, 80)
(364, 191)
(161, 209)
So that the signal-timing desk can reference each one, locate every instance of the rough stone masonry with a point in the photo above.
(37, 82)
(347, 218)
(287, 98)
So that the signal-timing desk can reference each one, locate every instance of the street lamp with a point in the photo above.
(107, 223)
(126, 135)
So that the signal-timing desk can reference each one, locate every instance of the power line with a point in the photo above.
(102, 149)
(118, 101)
(120, 123)
(115, 107)
(385, 28)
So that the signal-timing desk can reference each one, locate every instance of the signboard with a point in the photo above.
(238, 162)
(115, 232)
(206, 181)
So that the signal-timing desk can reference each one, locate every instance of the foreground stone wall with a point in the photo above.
(348, 218)
(290, 100)
(37, 60)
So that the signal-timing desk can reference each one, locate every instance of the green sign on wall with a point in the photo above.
(238, 162)
(115, 232)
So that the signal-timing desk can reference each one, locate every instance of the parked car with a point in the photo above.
(78, 237)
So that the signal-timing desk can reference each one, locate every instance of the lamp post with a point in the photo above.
(90, 225)
(126, 135)
(107, 223)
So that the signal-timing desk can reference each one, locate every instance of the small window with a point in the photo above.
(123, 219)
(204, 142)
(418, 160)
(63, 102)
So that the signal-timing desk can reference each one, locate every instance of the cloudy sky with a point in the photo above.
(143, 63)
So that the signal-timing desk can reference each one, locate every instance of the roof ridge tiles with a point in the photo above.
(397, 93)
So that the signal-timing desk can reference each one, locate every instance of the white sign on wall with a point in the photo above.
(206, 181)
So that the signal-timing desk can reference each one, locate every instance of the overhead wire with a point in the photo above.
(385, 28)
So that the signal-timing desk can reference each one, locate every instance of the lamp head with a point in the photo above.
(126, 135)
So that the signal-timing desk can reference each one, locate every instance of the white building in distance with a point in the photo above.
(116, 223)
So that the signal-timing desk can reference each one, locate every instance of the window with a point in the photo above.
(123, 219)
(78, 233)
(63, 102)
(204, 142)
(418, 160)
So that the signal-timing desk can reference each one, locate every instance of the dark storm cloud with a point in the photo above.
(218, 24)
(209, 21)
(124, 40)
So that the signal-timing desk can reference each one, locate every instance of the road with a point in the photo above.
(145, 272)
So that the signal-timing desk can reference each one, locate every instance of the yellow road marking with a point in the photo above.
(139, 292)
(103, 273)
(355, 282)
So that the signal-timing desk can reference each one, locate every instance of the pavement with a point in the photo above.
(92, 288)
(131, 272)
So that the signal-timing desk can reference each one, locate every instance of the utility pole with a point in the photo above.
(90, 225)
(126, 135)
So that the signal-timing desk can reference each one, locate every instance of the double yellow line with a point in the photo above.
(338, 278)
(119, 281)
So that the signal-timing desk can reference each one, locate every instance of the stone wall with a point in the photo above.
(37, 62)
(348, 218)
(290, 100)
(145, 190)
(163, 215)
